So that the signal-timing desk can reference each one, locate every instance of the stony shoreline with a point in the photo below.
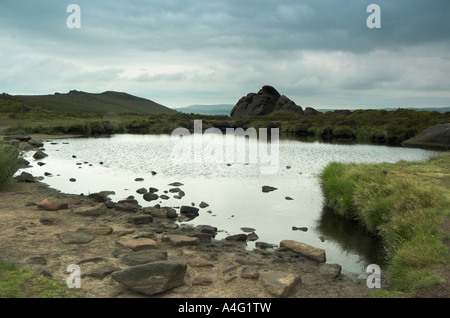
(119, 246)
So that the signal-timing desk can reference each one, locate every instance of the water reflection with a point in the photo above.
(351, 237)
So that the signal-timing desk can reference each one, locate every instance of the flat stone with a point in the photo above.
(152, 278)
(96, 210)
(139, 244)
(75, 238)
(202, 281)
(101, 272)
(143, 257)
(250, 272)
(181, 240)
(96, 230)
(52, 205)
(237, 237)
(280, 284)
(330, 270)
(306, 250)
(140, 219)
(199, 262)
(126, 207)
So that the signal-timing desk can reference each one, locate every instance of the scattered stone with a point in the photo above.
(143, 257)
(189, 211)
(150, 196)
(101, 272)
(247, 229)
(39, 155)
(52, 205)
(96, 210)
(252, 236)
(48, 221)
(152, 278)
(303, 228)
(153, 190)
(268, 188)
(203, 205)
(174, 190)
(102, 230)
(153, 173)
(237, 237)
(126, 207)
(139, 179)
(280, 284)
(176, 184)
(37, 260)
(250, 272)
(40, 164)
(139, 244)
(199, 262)
(140, 219)
(72, 180)
(264, 245)
(164, 197)
(155, 212)
(330, 270)
(289, 198)
(25, 177)
(181, 240)
(141, 190)
(306, 250)
(202, 281)
(75, 238)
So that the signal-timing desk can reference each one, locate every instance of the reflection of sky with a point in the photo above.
(233, 191)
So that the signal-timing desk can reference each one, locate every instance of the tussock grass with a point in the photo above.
(16, 282)
(9, 163)
(403, 203)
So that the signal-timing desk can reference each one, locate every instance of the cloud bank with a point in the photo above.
(320, 53)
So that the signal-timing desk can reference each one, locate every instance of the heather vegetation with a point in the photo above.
(380, 126)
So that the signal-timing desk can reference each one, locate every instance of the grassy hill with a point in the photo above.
(107, 102)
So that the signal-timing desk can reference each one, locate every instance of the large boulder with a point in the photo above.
(152, 278)
(437, 136)
(267, 101)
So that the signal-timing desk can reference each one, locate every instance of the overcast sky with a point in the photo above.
(319, 53)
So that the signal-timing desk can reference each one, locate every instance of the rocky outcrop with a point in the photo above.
(266, 101)
(437, 136)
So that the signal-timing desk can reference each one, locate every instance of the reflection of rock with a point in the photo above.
(437, 136)
(268, 188)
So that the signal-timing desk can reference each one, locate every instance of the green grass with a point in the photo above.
(403, 203)
(16, 282)
(9, 164)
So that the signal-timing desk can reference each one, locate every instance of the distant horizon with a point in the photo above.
(335, 107)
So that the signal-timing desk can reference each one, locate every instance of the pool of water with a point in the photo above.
(232, 186)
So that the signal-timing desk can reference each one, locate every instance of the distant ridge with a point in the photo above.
(218, 109)
(106, 102)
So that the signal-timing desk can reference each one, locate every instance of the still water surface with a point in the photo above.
(232, 189)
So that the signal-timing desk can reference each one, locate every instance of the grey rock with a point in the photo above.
(150, 196)
(268, 189)
(330, 270)
(140, 219)
(280, 284)
(75, 238)
(26, 177)
(152, 278)
(101, 271)
(237, 237)
(143, 257)
(39, 155)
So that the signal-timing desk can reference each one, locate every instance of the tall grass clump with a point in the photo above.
(9, 163)
(404, 205)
